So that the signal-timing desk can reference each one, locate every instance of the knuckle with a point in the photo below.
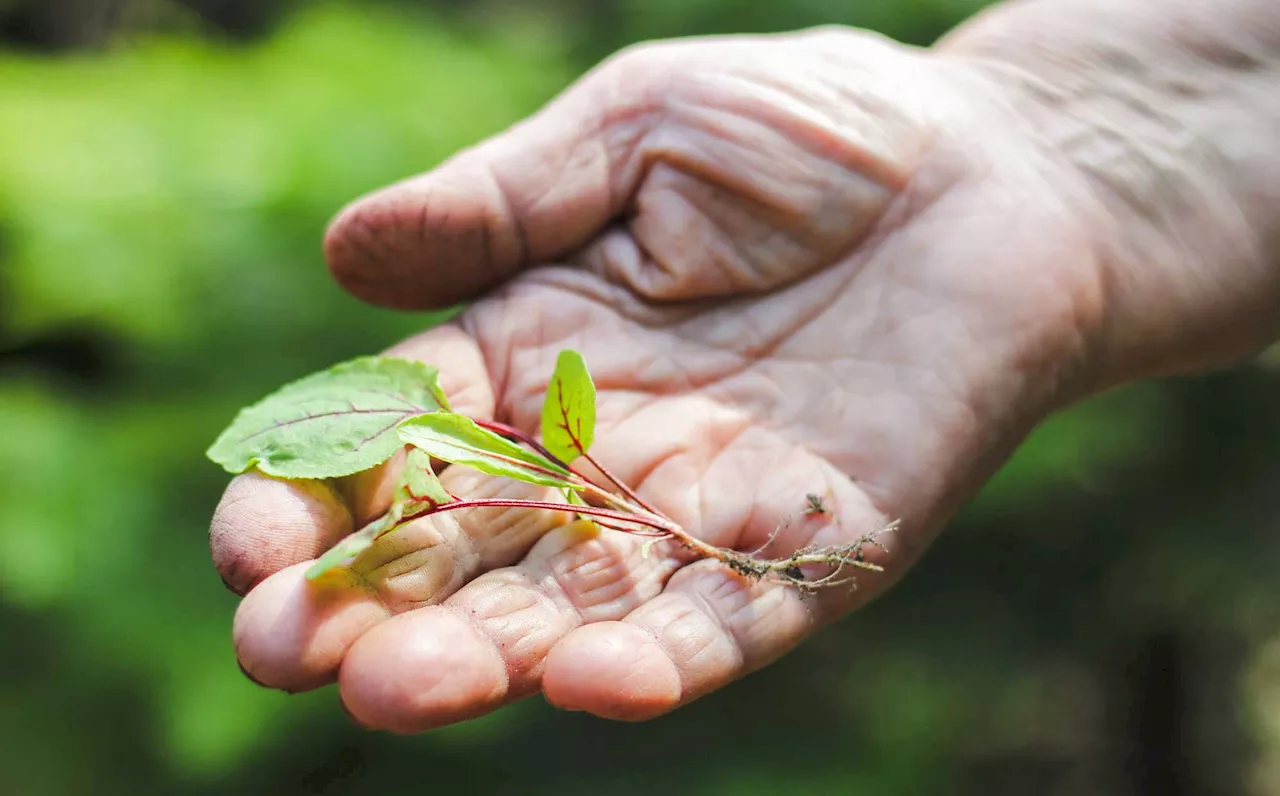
(635, 81)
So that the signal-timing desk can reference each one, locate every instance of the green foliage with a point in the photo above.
(572, 496)
(167, 198)
(175, 191)
(354, 416)
(419, 485)
(332, 423)
(912, 21)
(458, 440)
(345, 552)
(569, 410)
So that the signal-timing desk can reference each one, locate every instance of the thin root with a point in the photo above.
(838, 558)
(773, 537)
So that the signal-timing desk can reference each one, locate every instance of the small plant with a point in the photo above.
(357, 415)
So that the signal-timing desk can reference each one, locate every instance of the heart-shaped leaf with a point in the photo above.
(569, 410)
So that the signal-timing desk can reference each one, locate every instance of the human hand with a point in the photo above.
(820, 263)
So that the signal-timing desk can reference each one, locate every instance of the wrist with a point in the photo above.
(1169, 115)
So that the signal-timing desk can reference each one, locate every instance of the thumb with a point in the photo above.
(533, 193)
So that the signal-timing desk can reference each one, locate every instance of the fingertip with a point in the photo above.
(423, 243)
(357, 249)
(421, 670)
(291, 634)
(532, 194)
(614, 670)
(263, 525)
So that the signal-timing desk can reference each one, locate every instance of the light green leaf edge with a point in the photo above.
(331, 423)
(345, 552)
(458, 440)
(569, 409)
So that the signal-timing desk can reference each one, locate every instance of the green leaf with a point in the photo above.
(459, 440)
(569, 411)
(335, 422)
(419, 489)
(574, 499)
(345, 552)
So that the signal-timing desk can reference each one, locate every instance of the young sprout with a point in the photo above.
(358, 414)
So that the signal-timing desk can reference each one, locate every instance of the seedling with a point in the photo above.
(357, 415)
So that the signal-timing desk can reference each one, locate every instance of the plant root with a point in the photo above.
(836, 559)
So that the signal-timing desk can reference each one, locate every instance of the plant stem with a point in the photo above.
(657, 523)
(621, 486)
(661, 524)
(511, 432)
(631, 509)
(633, 531)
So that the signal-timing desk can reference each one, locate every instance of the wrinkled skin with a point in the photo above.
(818, 263)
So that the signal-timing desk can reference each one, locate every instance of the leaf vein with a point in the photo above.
(320, 415)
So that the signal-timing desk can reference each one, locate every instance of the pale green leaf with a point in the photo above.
(419, 489)
(335, 422)
(459, 440)
(419, 486)
(346, 551)
(569, 410)
(574, 499)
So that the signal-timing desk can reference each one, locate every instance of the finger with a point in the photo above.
(487, 644)
(709, 109)
(532, 193)
(490, 642)
(711, 625)
(264, 524)
(292, 633)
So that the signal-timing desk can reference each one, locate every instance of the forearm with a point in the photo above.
(1170, 112)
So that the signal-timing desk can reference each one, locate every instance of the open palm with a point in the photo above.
(808, 264)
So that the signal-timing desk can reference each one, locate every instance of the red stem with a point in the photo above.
(633, 531)
(657, 523)
(514, 433)
(511, 432)
(626, 490)
(654, 519)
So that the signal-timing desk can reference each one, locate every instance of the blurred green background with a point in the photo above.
(1102, 620)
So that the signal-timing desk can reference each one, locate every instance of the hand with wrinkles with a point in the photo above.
(812, 263)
